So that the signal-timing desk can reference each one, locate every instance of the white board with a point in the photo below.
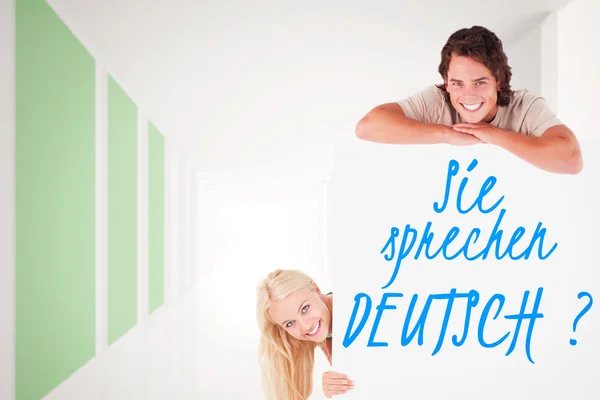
(376, 188)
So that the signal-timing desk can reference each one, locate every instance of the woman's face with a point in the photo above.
(303, 315)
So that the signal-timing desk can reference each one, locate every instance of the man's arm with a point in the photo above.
(556, 150)
(388, 124)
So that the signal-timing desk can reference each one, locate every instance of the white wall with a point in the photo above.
(153, 361)
(578, 65)
(135, 367)
(173, 221)
(184, 214)
(253, 226)
(7, 199)
(141, 363)
(549, 60)
(524, 57)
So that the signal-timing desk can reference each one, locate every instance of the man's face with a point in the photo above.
(473, 89)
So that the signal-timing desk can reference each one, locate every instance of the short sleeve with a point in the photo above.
(423, 106)
(539, 118)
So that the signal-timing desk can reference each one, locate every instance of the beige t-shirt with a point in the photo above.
(527, 113)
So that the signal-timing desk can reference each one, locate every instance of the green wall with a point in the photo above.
(55, 201)
(122, 211)
(156, 215)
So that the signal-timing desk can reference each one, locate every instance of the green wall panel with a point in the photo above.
(156, 218)
(122, 211)
(55, 201)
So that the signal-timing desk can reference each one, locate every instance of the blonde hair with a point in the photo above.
(286, 362)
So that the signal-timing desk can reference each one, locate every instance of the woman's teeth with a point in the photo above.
(315, 329)
(472, 107)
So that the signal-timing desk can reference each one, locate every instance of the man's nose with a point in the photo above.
(471, 90)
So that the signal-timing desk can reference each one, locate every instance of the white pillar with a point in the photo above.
(194, 197)
(7, 199)
(168, 222)
(173, 221)
(142, 287)
(204, 231)
(183, 225)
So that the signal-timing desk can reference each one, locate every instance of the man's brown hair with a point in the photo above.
(482, 45)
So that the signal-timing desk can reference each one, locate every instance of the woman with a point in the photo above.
(294, 318)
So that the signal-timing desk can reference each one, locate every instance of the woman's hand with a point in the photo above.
(335, 383)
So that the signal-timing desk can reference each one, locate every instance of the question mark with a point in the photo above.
(581, 314)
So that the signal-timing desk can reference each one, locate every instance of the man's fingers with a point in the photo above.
(470, 124)
(463, 129)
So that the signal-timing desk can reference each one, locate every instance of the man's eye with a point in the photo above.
(481, 82)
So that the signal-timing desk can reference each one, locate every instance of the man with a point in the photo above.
(476, 104)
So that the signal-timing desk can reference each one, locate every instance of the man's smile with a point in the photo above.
(472, 106)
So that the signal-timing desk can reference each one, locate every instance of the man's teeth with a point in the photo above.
(315, 329)
(472, 107)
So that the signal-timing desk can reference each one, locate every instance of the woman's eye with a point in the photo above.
(305, 309)
(289, 324)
